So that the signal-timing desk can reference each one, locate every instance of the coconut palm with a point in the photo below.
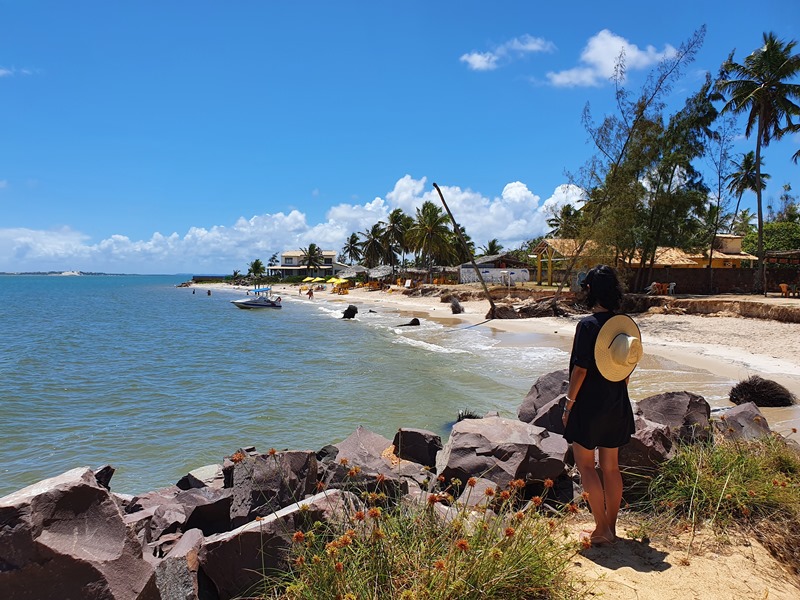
(351, 251)
(372, 252)
(760, 88)
(743, 223)
(273, 262)
(236, 275)
(744, 179)
(311, 258)
(394, 235)
(491, 248)
(430, 236)
(256, 270)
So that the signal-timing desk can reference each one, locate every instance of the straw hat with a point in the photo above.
(618, 348)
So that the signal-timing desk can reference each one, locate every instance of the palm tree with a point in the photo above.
(394, 235)
(257, 270)
(744, 179)
(236, 275)
(351, 250)
(760, 88)
(273, 262)
(430, 236)
(312, 258)
(743, 224)
(492, 247)
(564, 223)
(372, 251)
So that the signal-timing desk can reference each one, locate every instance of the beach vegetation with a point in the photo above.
(743, 179)
(761, 87)
(430, 236)
(351, 251)
(412, 550)
(312, 258)
(256, 270)
(491, 248)
(372, 250)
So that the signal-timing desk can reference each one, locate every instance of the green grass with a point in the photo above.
(411, 552)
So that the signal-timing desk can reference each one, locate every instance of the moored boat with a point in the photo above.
(262, 298)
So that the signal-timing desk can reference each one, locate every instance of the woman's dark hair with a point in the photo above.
(602, 288)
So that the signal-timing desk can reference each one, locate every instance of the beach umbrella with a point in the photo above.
(307, 279)
(318, 279)
(332, 280)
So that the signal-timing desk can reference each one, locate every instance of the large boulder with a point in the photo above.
(743, 422)
(176, 574)
(65, 538)
(686, 414)
(501, 450)
(207, 476)
(233, 563)
(265, 483)
(639, 459)
(207, 509)
(544, 390)
(417, 445)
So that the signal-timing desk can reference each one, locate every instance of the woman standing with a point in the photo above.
(597, 413)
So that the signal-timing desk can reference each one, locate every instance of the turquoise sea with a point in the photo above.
(157, 380)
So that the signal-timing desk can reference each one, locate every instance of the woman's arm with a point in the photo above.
(575, 382)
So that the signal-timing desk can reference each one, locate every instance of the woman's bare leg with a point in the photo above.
(612, 485)
(584, 460)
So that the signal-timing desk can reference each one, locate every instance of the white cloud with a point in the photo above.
(600, 56)
(514, 216)
(514, 48)
(6, 72)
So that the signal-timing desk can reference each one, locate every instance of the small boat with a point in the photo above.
(262, 298)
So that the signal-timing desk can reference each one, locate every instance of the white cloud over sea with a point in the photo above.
(514, 216)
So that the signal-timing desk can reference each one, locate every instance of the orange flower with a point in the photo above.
(519, 516)
(374, 513)
(586, 543)
(537, 500)
(359, 516)
(433, 499)
(321, 485)
(471, 482)
(343, 462)
(339, 567)
(510, 531)
(517, 483)
(439, 565)
(354, 471)
(488, 492)
(272, 452)
(299, 537)
(505, 495)
(380, 478)
(300, 561)
(462, 545)
(548, 483)
(440, 479)
(378, 534)
(572, 508)
(259, 518)
(585, 496)
(237, 457)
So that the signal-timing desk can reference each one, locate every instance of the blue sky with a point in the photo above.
(194, 137)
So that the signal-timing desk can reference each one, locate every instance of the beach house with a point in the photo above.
(292, 264)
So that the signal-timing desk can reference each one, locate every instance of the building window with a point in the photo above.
(328, 261)
(288, 261)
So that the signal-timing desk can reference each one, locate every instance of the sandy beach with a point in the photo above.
(706, 565)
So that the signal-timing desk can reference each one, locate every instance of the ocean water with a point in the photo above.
(157, 380)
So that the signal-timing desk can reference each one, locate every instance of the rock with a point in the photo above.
(503, 311)
(265, 483)
(207, 476)
(639, 459)
(417, 445)
(103, 476)
(207, 509)
(455, 306)
(550, 415)
(65, 538)
(176, 574)
(475, 496)
(412, 323)
(686, 414)
(544, 390)
(232, 563)
(743, 422)
(501, 450)
(349, 312)
(761, 392)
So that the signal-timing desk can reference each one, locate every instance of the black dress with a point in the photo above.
(602, 414)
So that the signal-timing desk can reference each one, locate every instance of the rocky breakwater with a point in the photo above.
(213, 534)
